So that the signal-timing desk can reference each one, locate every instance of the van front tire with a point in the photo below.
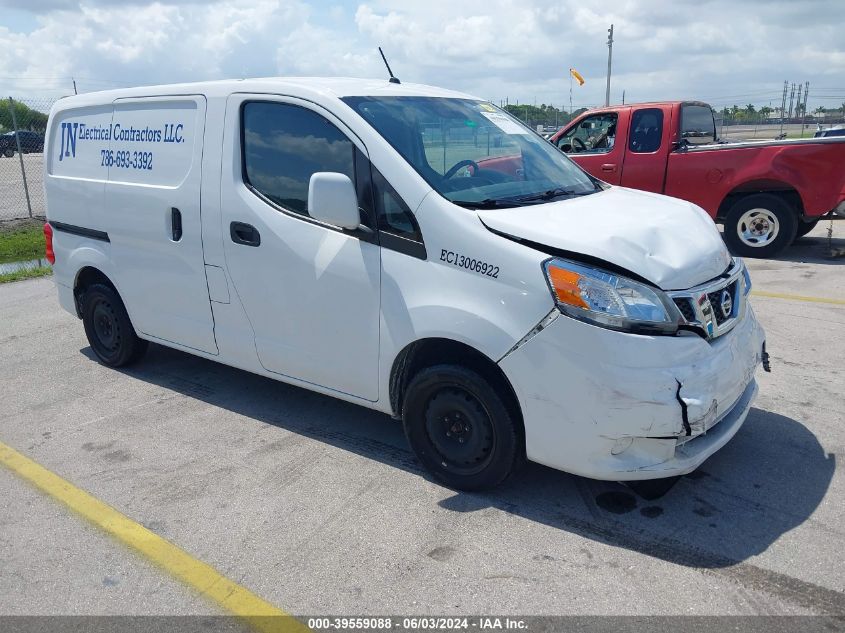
(460, 429)
(108, 328)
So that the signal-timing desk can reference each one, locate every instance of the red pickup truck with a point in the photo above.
(766, 193)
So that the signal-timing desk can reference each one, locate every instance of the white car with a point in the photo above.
(339, 235)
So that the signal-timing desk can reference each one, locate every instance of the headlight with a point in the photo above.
(610, 300)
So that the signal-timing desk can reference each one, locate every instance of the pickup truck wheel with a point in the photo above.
(459, 428)
(805, 227)
(760, 225)
(8, 153)
(108, 327)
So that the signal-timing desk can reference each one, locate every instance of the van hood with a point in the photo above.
(671, 243)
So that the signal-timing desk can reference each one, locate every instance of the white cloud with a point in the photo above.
(719, 50)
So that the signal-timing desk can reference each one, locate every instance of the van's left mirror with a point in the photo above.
(332, 199)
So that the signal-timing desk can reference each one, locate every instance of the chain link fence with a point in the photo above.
(22, 126)
(744, 125)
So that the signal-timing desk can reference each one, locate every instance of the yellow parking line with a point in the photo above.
(779, 295)
(198, 575)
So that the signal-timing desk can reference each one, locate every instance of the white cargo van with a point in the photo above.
(412, 250)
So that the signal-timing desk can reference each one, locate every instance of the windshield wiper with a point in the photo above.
(551, 194)
(489, 203)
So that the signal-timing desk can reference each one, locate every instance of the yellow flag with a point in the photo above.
(577, 76)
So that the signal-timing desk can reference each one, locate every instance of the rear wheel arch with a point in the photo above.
(86, 277)
(787, 192)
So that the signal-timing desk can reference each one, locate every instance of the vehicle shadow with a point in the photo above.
(769, 479)
(735, 506)
(816, 248)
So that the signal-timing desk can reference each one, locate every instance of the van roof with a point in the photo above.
(336, 87)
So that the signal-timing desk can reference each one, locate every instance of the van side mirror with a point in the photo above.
(332, 199)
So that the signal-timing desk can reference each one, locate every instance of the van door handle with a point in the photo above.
(176, 224)
(245, 234)
(611, 167)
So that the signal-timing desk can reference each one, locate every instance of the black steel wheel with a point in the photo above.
(108, 328)
(460, 429)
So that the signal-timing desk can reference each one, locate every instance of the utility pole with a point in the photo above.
(783, 106)
(74, 86)
(804, 109)
(609, 60)
(791, 98)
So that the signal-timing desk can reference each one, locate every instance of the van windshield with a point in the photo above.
(473, 153)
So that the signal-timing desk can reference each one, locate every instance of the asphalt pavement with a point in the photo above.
(317, 506)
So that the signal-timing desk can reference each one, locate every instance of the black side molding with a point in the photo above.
(80, 230)
(402, 245)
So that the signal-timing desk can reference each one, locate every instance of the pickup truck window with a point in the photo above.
(283, 145)
(697, 124)
(594, 135)
(473, 153)
(646, 130)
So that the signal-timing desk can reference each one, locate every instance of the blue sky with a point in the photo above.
(722, 51)
(18, 20)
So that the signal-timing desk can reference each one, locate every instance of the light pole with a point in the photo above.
(609, 59)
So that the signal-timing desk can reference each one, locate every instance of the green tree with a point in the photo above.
(544, 114)
(27, 118)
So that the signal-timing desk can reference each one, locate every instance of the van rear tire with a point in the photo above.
(460, 429)
(108, 328)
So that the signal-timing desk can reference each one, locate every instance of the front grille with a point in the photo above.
(716, 301)
(715, 307)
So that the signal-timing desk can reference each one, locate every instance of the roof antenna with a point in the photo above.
(393, 79)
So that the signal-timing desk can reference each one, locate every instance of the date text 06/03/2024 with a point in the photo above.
(422, 623)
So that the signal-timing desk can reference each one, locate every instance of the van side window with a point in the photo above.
(283, 145)
(364, 189)
(394, 216)
(646, 130)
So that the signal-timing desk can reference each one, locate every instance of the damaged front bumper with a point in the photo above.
(617, 406)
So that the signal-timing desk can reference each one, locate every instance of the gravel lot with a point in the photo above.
(319, 507)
